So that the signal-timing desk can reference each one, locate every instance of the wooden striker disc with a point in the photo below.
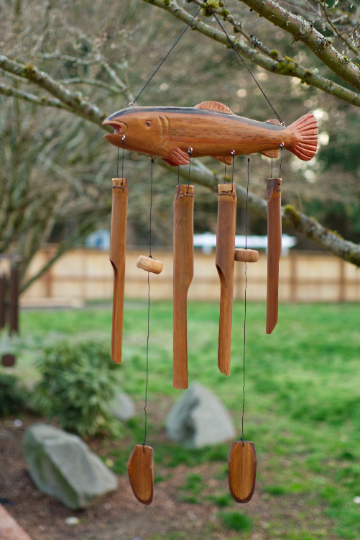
(242, 471)
(141, 473)
(246, 255)
(149, 264)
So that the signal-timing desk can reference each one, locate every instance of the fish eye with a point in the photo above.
(148, 123)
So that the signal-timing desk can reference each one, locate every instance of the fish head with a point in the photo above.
(137, 128)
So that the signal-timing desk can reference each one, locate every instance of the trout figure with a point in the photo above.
(175, 134)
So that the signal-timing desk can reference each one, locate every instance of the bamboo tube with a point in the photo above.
(120, 193)
(182, 278)
(274, 232)
(225, 246)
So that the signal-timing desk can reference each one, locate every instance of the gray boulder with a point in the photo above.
(122, 407)
(63, 466)
(199, 419)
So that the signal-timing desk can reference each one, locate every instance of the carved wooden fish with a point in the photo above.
(209, 129)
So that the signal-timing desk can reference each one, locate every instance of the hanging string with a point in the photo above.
(190, 151)
(117, 166)
(233, 167)
(271, 175)
(148, 318)
(242, 60)
(178, 175)
(168, 54)
(246, 242)
(281, 156)
(225, 174)
(123, 157)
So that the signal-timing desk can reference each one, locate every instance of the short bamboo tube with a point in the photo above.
(182, 278)
(246, 255)
(225, 246)
(149, 264)
(274, 232)
(120, 193)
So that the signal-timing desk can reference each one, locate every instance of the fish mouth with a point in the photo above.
(119, 127)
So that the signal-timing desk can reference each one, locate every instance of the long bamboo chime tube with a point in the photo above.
(182, 278)
(120, 193)
(274, 232)
(225, 249)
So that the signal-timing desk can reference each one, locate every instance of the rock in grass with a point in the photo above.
(62, 465)
(122, 407)
(199, 419)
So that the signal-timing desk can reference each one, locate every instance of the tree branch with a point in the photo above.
(72, 100)
(278, 65)
(31, 98)
(91, 82)
(291, 218)
(304, 31)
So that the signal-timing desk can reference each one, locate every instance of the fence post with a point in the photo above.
(2, 302)
(14, 300)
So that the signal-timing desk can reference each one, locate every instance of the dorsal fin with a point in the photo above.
(214, 106)
(274, 121)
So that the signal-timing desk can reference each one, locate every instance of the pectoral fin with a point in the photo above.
(177, 157)
(224, 159)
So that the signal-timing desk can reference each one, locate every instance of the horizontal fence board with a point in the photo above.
(86, 274)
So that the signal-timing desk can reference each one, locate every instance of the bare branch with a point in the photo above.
(92, 82)
(31, 98)
(304, 31)
(71, 100)
(278, 65)
(291, 218)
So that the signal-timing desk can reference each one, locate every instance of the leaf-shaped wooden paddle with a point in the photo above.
(120, 194)
(141, 473)
(225, 249)
(182, 277)
(274, 232)
(242, 471)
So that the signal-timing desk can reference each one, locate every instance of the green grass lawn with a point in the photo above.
(302, 394)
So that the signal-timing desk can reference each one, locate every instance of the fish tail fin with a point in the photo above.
(306, 130)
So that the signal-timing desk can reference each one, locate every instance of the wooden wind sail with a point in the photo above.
(225, 248)
(120, 193)
(182, 278)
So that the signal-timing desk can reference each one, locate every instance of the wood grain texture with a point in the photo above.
(120, 193)
(242, 471)
(225, 248)
(149, 264)
(274, 232)
(246, 255)
(168, 132)
(182, 278)
(141, 473)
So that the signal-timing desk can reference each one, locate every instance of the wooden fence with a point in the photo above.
(86, 274)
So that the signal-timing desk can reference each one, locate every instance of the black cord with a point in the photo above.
(117, 166)
(148, 320)
(246, 242)
(242, 60)
(190, 150)
(178, 175)
(151, 201)
(233, 168)
(163, 60)
(281, 157)
(147, 363)
(123, 158)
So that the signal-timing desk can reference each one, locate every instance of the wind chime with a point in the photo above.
(176, 135)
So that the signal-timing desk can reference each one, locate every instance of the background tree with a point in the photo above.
(56, 168)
